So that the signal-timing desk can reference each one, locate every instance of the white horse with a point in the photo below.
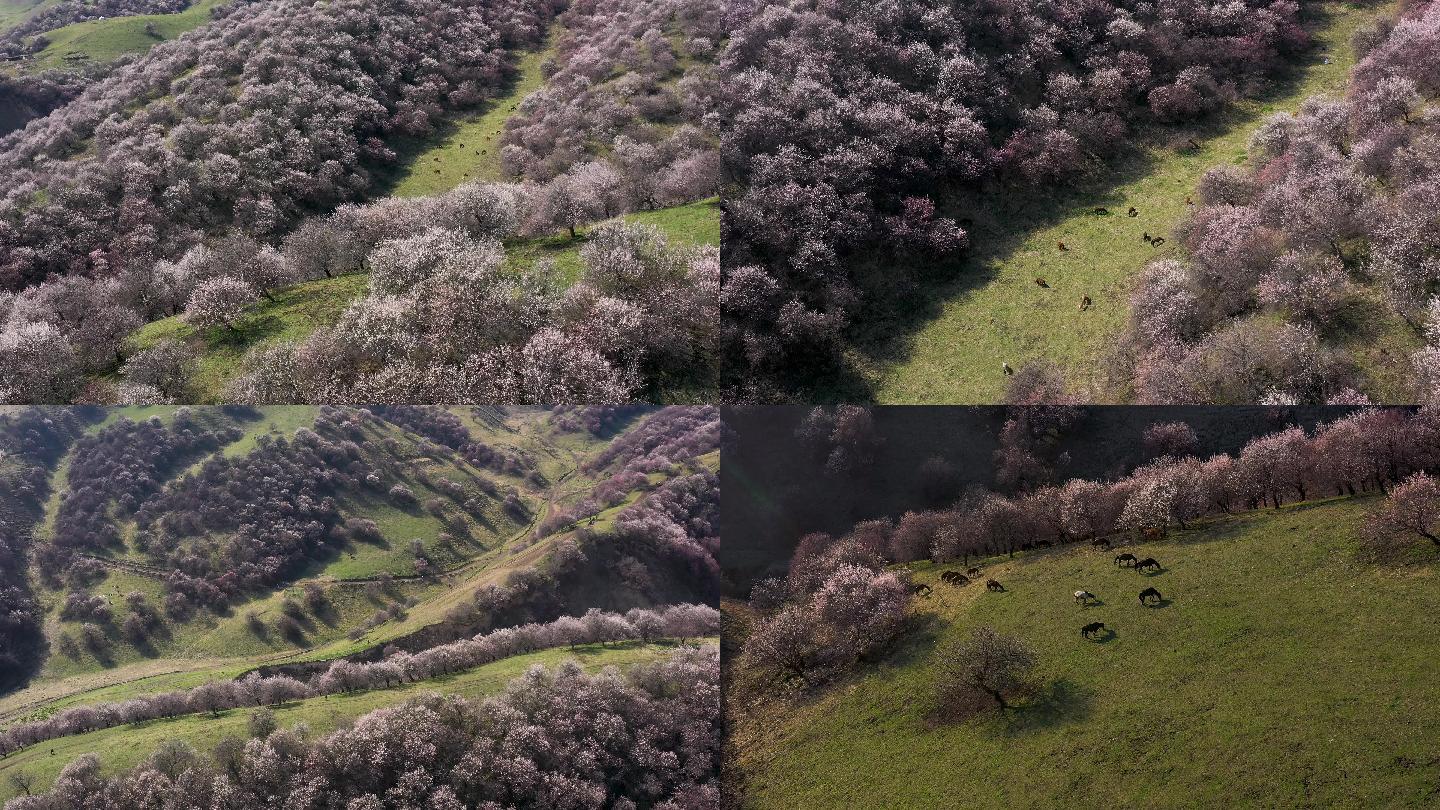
(1083, 597)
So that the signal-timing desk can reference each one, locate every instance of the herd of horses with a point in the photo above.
(1086, 302)
(1149, 596)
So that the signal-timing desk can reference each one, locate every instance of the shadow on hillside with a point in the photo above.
(1000, 219)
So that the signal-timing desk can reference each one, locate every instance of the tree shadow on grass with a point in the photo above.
(1060, 702)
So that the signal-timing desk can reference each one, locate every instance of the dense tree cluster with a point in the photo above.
(446, 320)
(1331, 224)
(680, 520)
(274, 111)
(447, 429)
(845, 438)
(843, 118)
(836, 607)
(204, 205)
(595, 627)
(119, 469)
(554, 738)
(31, 442)
(664, 439)
(1367, 450)
(629, 105)
(598, 420)
(245, 522)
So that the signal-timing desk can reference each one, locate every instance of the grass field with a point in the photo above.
(469, 147)
(299, 310)
(109, 39)
(14, 12)
(126, 746)
(1280, 672)
(951, 348)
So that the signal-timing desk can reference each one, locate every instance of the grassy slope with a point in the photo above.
(109, 39)
(301, 309)
(469, 148)
(1284, 673)
(124, 747)
(994, 312)
(14, 12)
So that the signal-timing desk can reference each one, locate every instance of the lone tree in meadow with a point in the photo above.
(22, 782)
(978, 672)
(218, 301)
(1412, 511)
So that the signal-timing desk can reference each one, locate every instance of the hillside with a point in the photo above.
(1279, 659)
(950, 348)
(107, 40)
(161, 562)
(298, 310)
(123, 748)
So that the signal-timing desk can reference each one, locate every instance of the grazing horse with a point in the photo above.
(1100, 543)
(1042, 283)
(1150, 593)
(1083, 597)
(1157, 241)
(974, 572)
(921, 588)
(1091, 629)
(1147, 237)
(1085, 303)
(1100, 210)
(994, 586)
(1148, 562)
(1125, 559)
(1005, 367)
(1132, 212)
(1061, 245)
(954, 578)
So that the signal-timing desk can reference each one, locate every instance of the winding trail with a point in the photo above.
(994, 312)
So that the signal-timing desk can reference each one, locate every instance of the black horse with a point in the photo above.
(994, 585)
(1148, 563)
(1101, 543)
(954, 578)
(1092, 628)
(1125, 559)
(921, 588)
(1150, 593)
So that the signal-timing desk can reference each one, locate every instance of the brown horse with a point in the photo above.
(1092, 628)
(1149, 563)
(994, 586)
(921, 588)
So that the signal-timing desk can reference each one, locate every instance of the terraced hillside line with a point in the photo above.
(1278, 659)
(470, 148)
(126, 746)
(995, 312)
